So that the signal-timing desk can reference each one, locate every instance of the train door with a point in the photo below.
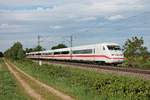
(97, 52)
(105, 53)
(101, 52)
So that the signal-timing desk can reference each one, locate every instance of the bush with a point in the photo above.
(135, 52)
(87, 85)
(1, 54)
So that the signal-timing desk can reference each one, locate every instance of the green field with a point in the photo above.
(9, 88)
(88, 85)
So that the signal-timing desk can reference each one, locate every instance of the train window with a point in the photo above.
(38, 54)
(49, 53)
(65, 52)
(113, 47)
(57, 53)
(86, 51)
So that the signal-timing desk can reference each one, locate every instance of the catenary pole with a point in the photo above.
(38, 50)
(71, 46)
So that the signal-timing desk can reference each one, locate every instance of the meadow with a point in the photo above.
(87, 84)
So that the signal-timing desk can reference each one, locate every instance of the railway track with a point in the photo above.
(104, 67)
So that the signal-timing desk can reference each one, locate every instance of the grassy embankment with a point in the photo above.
(88, 85)
(9, 88)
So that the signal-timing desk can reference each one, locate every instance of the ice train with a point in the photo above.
(102, 52)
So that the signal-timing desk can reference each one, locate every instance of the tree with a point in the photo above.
(27, 50)
(134, 47)
(15, 52)
(1, 54)
(38, 48)
(59, 46)
(20, 54)
(135, 52)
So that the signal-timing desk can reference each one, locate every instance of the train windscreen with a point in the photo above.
(113, 47)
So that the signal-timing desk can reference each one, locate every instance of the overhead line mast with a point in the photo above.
(70, 42)
(71, 46)
(38, 38)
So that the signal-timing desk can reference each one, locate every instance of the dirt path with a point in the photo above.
(26, 86)
(29, 90)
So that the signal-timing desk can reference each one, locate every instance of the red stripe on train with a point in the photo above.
(97, 56)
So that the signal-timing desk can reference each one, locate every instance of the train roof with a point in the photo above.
(74, 48)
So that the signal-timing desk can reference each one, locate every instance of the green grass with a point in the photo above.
(146, 65)
(88, 85)
(8, 86)
(136, 62)
(40, 90)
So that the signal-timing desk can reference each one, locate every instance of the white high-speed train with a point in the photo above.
(102, 52)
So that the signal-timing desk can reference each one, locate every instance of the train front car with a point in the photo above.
(114, 52)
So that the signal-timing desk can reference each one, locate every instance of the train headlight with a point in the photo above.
(117, 54)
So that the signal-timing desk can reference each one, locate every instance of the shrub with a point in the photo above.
(89, 84)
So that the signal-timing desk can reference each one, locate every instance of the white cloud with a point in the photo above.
(79, 9)
(7, 26)
(41, 9)
(56, 27)
(116, 17)
(87, 19)
(3, 25)
(14, 28)
(64, 16)
(68, 13)
(63, 12)
(24, 2)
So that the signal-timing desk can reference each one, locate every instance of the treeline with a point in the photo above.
(59, 46)
(17, 52)
(37, 48)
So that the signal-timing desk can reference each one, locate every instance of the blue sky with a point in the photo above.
(89, 21)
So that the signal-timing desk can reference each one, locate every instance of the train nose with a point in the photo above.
(117, 60)
(117, 57)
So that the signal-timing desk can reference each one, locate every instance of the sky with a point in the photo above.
(88, 21)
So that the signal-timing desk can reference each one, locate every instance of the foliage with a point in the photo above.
(134, 47)
(1, 54)
(15, 52)
(37, 48)
(135, 52)
(27, 50)
(59, 46)
(8, 86)
(88, 85)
